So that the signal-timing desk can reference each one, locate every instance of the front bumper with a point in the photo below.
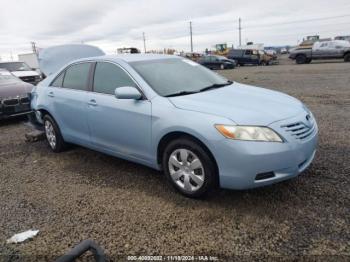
(246, 164)
(11, 107)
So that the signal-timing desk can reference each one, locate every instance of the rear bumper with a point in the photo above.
(245, 164)
(33, 118)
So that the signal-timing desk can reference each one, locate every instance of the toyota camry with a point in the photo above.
(172, 114)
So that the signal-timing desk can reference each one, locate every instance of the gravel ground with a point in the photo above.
(129, 209)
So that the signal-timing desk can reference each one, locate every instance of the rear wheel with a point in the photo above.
(301, 59)
(347, 57)
(188, 167)
(53, 134)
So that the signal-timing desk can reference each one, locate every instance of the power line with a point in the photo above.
(301, 21)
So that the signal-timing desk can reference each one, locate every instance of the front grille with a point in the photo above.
(300, 130)
(11, 102)
(17, 105)
(29, 79)
(24, 100)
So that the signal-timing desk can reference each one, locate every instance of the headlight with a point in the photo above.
(250, 133)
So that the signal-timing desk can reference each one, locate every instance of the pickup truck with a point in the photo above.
(337, 49)
(250, 56)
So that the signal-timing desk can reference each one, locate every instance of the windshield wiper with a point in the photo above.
(214, 86)
(182, 93)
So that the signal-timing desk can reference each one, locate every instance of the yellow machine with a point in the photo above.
(221, 49)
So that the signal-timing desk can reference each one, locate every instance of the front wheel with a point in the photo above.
(347, 58)
(189, 168)
(53, 135)
(301, 59)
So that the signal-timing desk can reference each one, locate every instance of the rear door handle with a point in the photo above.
(92, 102)
(51, 94)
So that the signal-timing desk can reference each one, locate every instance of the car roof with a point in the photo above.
(129, 57)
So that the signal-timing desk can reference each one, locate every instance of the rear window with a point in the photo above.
(58, 81)
(76, 76)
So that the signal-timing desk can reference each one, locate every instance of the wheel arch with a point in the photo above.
(346, 54)
(167, 138)
(42, 112)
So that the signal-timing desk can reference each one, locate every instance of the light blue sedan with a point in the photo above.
(174, 115)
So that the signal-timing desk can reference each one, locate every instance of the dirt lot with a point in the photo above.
(130, 210)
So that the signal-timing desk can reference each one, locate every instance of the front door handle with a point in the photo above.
(92, 102)
(51, 94)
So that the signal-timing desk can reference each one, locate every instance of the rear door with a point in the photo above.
(335, 50)
(119, 126)
(68, 95)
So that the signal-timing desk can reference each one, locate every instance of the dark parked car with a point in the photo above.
(14, 95)
(249, 57)
(217, 62)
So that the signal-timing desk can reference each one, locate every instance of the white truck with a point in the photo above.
(31, 59)
(336, 49)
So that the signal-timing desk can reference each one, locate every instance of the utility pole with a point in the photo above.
(144, 41)
(34, 48)
(240, 31)
(191, 36)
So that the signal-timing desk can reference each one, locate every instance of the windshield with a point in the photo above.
(15, 66)
(174, 75)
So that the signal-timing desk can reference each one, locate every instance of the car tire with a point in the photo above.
(189, 168)
(301, 59)
(53, 134)
(347, 58)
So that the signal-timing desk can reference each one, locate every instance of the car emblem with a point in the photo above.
(308, 121)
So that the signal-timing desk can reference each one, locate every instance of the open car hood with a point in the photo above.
(53, 58)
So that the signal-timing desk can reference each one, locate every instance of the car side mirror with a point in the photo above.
(127, 92)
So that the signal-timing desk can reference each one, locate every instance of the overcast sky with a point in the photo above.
(111, 24)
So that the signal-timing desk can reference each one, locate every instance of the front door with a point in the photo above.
(120, 126)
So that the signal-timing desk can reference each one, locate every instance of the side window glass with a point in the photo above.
(76, 76)
(58, 81)
(108, 77)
